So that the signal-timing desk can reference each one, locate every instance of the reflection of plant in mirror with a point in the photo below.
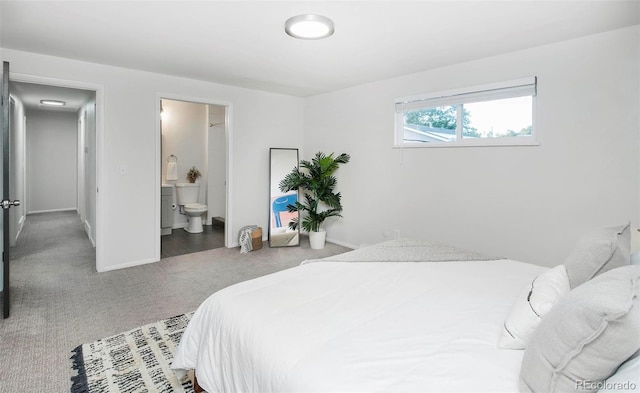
(318, 183)
(193, 174)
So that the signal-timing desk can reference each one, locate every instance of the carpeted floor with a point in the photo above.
(59, 301)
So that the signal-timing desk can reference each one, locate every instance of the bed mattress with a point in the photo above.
(360, 327)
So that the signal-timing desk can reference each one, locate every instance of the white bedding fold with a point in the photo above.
(407, 250)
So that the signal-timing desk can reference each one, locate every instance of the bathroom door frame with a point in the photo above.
(228, 111)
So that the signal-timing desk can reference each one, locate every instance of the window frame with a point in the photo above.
(523, 87)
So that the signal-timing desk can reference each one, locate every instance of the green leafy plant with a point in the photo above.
(193, 174)
(315, 178)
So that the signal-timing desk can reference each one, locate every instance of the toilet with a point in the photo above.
(187, 197)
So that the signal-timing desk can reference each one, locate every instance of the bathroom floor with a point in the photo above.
(181, 242)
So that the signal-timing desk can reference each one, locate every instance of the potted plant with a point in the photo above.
(193, 174)
(315, 178)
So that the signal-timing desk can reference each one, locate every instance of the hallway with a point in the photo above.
(58, 234)
(51, 261)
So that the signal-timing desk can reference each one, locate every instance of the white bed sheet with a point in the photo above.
(360, 327)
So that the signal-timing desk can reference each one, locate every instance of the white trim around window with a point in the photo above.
(497, 114)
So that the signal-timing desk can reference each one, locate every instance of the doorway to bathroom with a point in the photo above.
(193, 157)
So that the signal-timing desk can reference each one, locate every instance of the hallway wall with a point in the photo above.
(87, 168)
(51, 161)
(17, 176)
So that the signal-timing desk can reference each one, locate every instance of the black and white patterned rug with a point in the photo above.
(137, 361)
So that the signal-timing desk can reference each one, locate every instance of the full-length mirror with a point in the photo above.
(282, 161)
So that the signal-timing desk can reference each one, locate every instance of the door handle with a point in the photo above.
(5, 203)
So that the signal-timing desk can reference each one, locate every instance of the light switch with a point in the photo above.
(123, 170)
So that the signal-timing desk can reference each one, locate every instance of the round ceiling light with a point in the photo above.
(309, 27)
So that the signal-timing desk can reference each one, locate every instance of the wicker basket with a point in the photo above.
(256, 238)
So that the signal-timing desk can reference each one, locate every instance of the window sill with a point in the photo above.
(468, 143)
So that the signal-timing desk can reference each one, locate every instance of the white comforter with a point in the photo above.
(360, 327)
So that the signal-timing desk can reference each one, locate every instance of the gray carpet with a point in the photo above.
(59, 301)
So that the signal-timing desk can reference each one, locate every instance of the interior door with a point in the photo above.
(6, 202)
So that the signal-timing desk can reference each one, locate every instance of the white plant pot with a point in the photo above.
(317, 239)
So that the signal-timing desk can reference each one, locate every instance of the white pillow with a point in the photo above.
(531, 305)
(586, 336)
(598, 251)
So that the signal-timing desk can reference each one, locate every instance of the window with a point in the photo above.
(490, 115)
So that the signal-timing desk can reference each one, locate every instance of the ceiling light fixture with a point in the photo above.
(309, 27)
(53, 102)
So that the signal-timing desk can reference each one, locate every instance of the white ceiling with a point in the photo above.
(243, 43)
(30, 94)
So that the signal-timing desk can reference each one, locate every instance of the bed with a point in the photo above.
(401, 316)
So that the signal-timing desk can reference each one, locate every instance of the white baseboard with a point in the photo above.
(129, 264)
(53, 210)
(343, 244)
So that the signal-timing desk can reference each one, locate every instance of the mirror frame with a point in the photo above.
(284, 237)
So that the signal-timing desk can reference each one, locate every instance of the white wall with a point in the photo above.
(17, 175)
(527, 203)
(87, 168)
(128, 132)
(184, 134)
(216, 198)
(51, 146)
(90, 173)
(82, 163)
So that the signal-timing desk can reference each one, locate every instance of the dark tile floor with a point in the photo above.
(181, 242)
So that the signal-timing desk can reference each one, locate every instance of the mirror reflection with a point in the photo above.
(282, 161)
